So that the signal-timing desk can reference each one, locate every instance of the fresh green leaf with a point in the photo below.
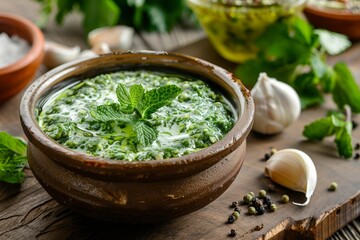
(136, 94)
(307, 90)
(343, 142)
(124, 99)
(157, 98)
(319, 129)
(333, 124)
(328, 80)
(302, 29)
(333, 43)
(318, 65)
(64, 7)
(144, 133)
(112, 112)
(346, 90)
(12, 158)
(14, 144)
(99, 14)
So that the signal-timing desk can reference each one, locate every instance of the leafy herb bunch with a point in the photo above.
(149, 15)
(292, 51)
(136, 106)
(12, 158)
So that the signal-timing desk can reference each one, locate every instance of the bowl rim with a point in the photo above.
(227, 3)
(331, 13)
(36, 46)
(85, 162)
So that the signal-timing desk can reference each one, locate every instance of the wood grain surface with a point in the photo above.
(28, 212)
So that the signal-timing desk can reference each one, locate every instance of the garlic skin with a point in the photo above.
(57, 54)
(293, 169)
(277, 105)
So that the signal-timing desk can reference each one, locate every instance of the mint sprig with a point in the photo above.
(136, 106)
(12, 158)
(336, 124)
(291, 51)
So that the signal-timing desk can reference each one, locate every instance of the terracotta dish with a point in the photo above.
(146, 191)
(341, 21)
(15, 77)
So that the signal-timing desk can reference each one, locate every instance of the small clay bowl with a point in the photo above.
(340, 21)
(16, 76)
(147, 191)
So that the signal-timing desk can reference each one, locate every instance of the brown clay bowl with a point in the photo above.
(340, 21)
(15, 77)
(154, 190)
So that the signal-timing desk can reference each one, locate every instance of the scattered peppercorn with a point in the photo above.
(273, 207)
(285, 198)
(231, 219)
(354, 124)
(271, 188)
(248, 198)
(237, 209)
(236, 214)
(257, 203)
(356, 156)
(233, 205)
(267, 156)
(266, 200)
(232, 233)
(333, 186)
(357, 146)
(252, 210)
(260, 210)
(262, 193)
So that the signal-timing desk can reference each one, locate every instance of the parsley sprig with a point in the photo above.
(136, 106)
(12, 158)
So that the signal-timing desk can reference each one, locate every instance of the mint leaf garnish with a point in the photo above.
(157, 98)
(144, 133)
(112, 112)
(12, 158)
(124, 98)
(336, 124)
(136, 94)
(135, 106)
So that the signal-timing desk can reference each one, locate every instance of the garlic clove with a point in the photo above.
(277, 105)
(101, 48)
(117, 37)
(293, 169)
(57, 54)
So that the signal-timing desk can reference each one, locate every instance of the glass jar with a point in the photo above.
(233, 25)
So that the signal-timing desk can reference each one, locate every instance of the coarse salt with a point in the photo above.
(12, 49)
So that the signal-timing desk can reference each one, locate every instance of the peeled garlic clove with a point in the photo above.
(117, 37)
(57, 54)
(277, 105)
(293, 169)
(101, 48)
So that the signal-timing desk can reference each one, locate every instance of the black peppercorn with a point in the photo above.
(357, 146)
(267, 156)
(233, 204)
(356, 156)
(266, 200)
(232, 233)
(257, 203)
(271, 188)
(354, 124)
(237, 210)
(260, 210)
(231, 219)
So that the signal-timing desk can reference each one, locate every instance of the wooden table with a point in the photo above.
(28, 212)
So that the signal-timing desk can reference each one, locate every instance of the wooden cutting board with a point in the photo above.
(27, 211)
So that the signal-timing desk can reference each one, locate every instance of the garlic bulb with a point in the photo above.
(117, 37)
(293, 169)
(277, 105)
(57, 54)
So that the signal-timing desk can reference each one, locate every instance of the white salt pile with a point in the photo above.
(12, 49)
